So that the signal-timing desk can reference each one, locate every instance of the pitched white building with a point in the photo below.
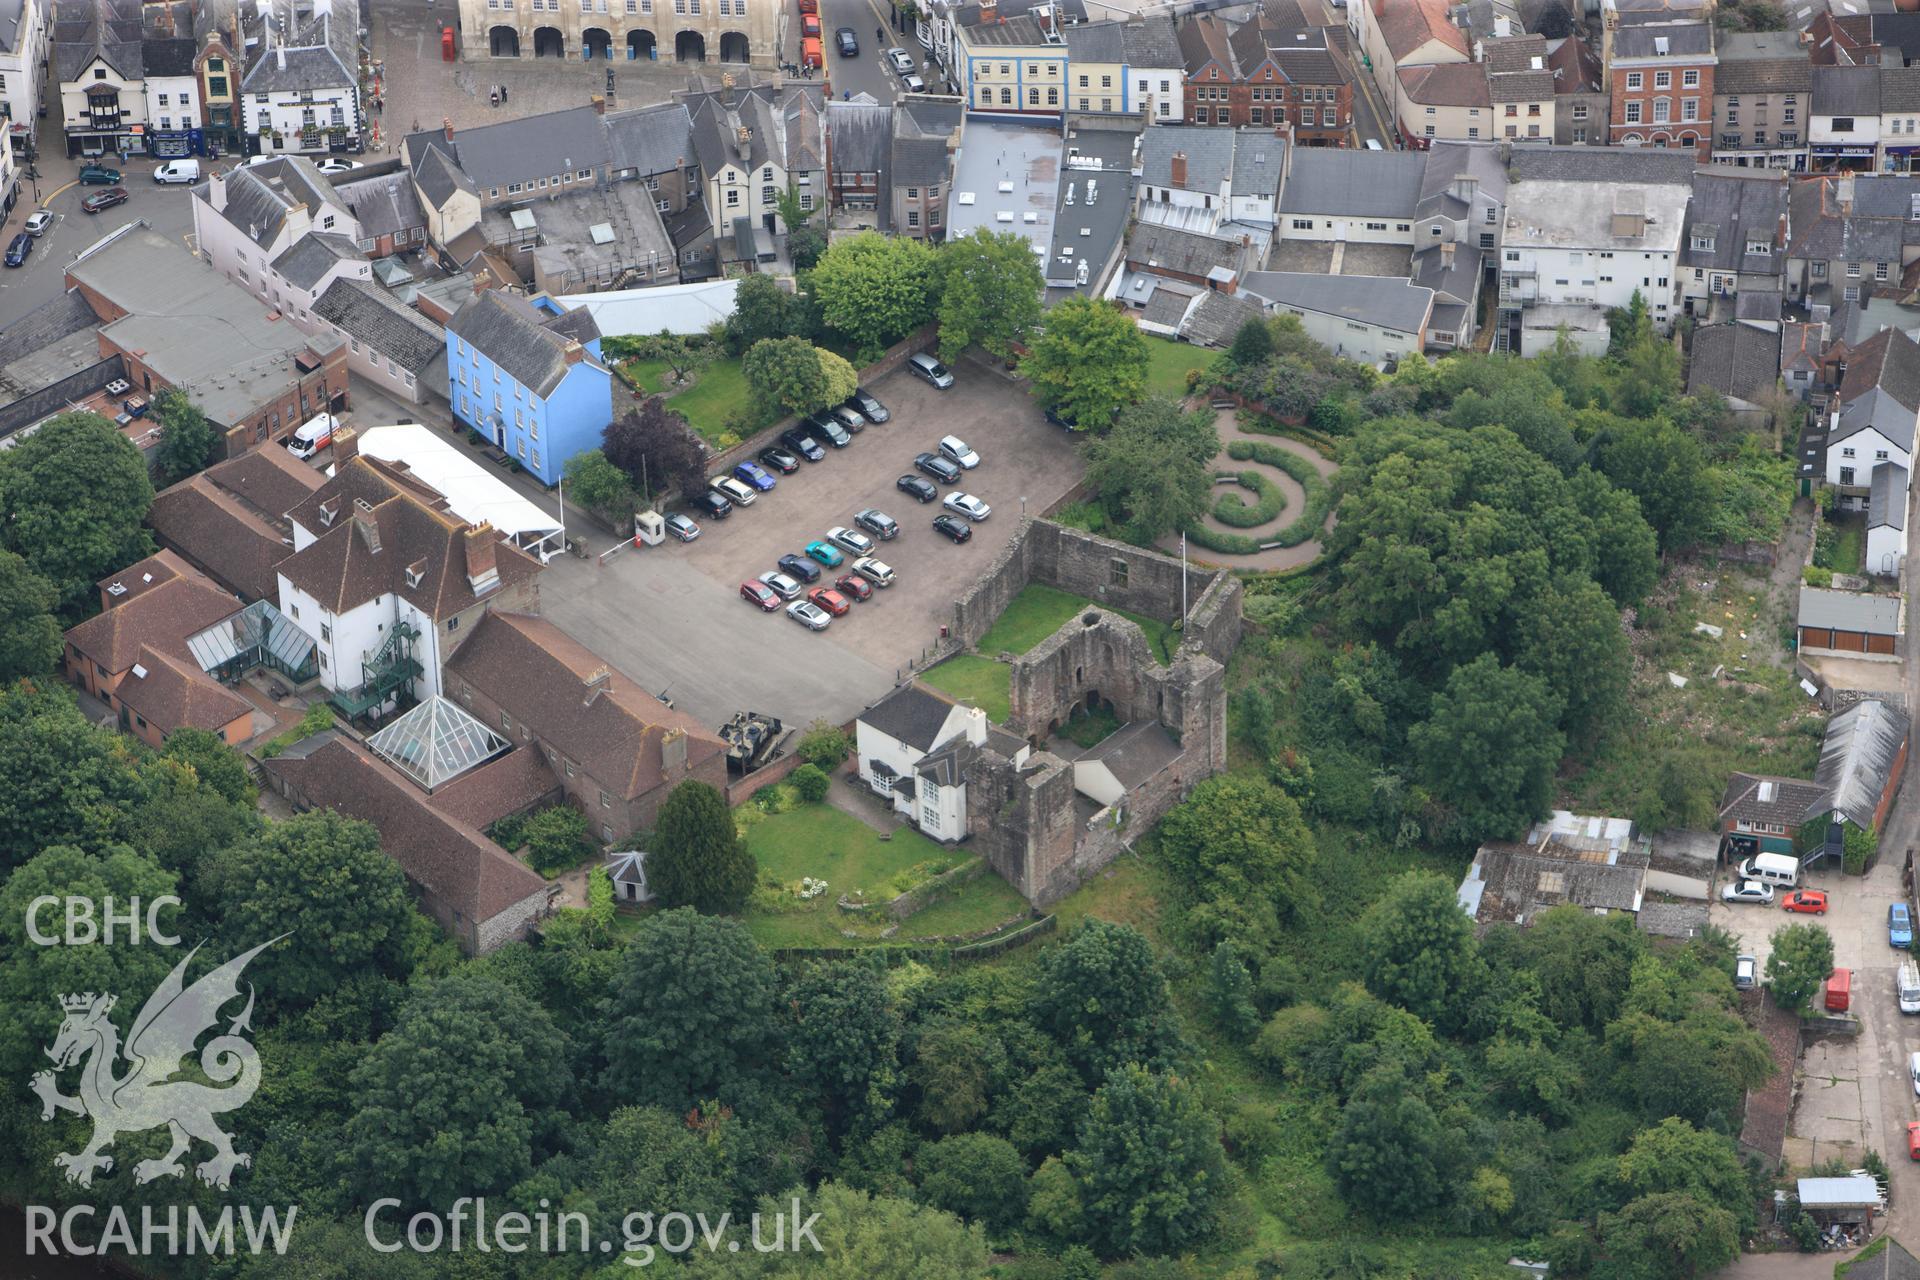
(252, 225)
(301, 90)
(25, 33)
(914, 748)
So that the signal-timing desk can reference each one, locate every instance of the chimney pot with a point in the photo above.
(1180, 169)
(483, 566)
(598, 682)
(346, 444)
(446, 128)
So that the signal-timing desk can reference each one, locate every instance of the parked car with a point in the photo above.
(878, 572)
(1913, 1139)
(900, 60)
(849, 45)
(955, 449)
(853, 586)
(847, 540)
(732, 490)
(938, 467)
(712, 505)
(177, 172)
(878, 523)
(101, 200)
(38, 221)
(851, 421)
(779, 459)
(830, 600)
(824, 427)
(1808, 901)
(1748, 891)
(866, 402)
(753, 474)
(809, 615)
(912, 82)
(682, 527)
(967, 505)
(953, 527)
(921, 488)
(759, 593)
(98, 175)
(783, 586)
(1913, 1071)
(801, 442)
(1900, 926)
(800, 567)
(336, 164)
(925, 367)
(810, 26)
(18, 248)
(1746, 973)
(824, 553)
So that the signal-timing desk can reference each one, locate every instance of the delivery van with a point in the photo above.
(1906, 985)
(178, 171)
(1839, 990)
(315, 434)
(1776, 869)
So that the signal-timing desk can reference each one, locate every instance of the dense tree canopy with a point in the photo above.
(72, 498)
(1150, 470)
(796, 376)
(187, 439)
(698, 858)
(1089, 362)
(29, 637)
(1102, 995)
(990, 289)
(657, 450)
(875, 289)
(1148, 1164)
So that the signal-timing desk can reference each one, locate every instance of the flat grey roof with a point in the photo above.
(1849, 611)
(1390, 302)
(1006, 169)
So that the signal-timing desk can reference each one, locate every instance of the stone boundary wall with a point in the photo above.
(933, 890)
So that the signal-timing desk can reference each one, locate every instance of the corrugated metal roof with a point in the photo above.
(1858, 756)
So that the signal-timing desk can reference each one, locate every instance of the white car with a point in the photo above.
(955, 449)
(337, 165)
(1746, 973)
(1748, 891)
(809, 615)
(783, 586)
(900, 60)
(967, 505)
(878, 572)
(732, 490)
(38, 222)
(858, 544)
(912, 83)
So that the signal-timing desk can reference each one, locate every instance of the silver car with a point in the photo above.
(1748, 891)
(967, 505)
(809, 615)
(783, 586)
(858, 544)
(878, 572)
(955, 449)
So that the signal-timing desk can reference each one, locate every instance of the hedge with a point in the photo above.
(1269, 502)
(1319, 492)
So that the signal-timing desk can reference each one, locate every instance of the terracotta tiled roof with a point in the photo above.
(1408, 24)
(270, 480)
(543, 678)
(172, 693)
(143, 576)
(163, 617)
(508, 785)
(237, 545)
(1889, 360)
(1790, 799)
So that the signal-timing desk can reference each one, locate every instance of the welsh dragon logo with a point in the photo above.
(147, 1095)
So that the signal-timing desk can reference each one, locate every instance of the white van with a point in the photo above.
(1906, 985)
(178, 171)
(315, 434)
(1776, 869)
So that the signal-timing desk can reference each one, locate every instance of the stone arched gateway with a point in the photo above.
(734, 47)
(549, 43)
(689, 46)
(596, 42)
(503, 42)
(641, 46)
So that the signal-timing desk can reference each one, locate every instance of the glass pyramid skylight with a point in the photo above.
(436, 742)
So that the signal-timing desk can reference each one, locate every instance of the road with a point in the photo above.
(1371, 119)
(866, 73)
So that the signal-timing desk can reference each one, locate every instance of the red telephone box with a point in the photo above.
(446, 44)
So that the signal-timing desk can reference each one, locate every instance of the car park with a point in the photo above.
(39, 221)
(753, 475)
(851, 420)
(878, 572)
(1900, 926)
(1806, 901)
(927, 369)
(953, 527)
(900, 60)
(759, 593)
(98, 175)
(102, 200)
(714, 506)
(779, 459)
(783, 586)
(802, 442)
(18, 248)
(878, 523)
(967, 505)
(732, 490)
(824, 553)
(939, 468)
(869, 404)
(1746, 973)
(682, 527)
(919, 486)
(847, 540)
(849, 43)
(825, 428)
(853, 586)
(1748, 891)
(800, 567)
(809, 615)
(954, 449)
(830, 600)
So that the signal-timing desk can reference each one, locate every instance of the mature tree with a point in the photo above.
(1490, 746)
(691, 1015)
(1801, 960)
(762, 310)
(796, 375)
(67, 781)
(1576, 643)
(698, 858)
(1151, 468)
(602, 488)
(1103, 998)
(645, 1158)
(1681, 1048)
(1624, 546)
(187, 439)
(461, 1098)
(557, 839)
(1238, 846)
(1584, 963)
(843, 1044)
(29, 637)
(1230, 992)
(216, 766)
(990, 288)
(875, 289)
(977, 1176)
(1669, 1236)
(1252, 345)
(1418, 949)
(657, 449)
(1666, 469)
(812, 783)
(1089, 361)
(1148, 1163)
(72, 498)
(1392, 1154)
(806, 245)
(1628, 323)
(321, 880)
(1675, 1156)
(953, 1065)
(860, 1237)
(1649, 375)
(1526, 403)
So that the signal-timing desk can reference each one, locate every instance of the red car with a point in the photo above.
(830, 600)
(1812, 901)
(810, 25)
(100, 200)
(1913, 1139)
(854, 585)
(761, 594)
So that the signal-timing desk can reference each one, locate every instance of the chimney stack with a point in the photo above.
(598, 682)
(989, 11)
(673, 751)
(446, 128)
(346, 444)
(1844, 189)
(280, 55)
(367, 527)
(483, 568)
(1446, 255)
(1463, 187)
(976, 726)
(1180, 169)
(575, 353)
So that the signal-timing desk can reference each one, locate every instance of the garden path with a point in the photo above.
(1226, 422)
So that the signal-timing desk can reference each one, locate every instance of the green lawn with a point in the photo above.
(1038, 611)
(719, 396)
(984, 902)
(971, 678)
(1168, 363)
(820, 841)
(650, 375)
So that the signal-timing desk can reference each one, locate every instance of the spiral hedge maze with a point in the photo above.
(1269, 501)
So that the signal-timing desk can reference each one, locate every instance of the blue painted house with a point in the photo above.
(527, 375)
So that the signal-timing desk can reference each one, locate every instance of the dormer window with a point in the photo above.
(415, 572)
(1704, 243)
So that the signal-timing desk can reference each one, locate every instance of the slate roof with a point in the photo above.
(1846, 91)
(542, 678)
(1388, 302)
(1738, 204)
(918, 161)
(1172, 250)
(859, 136)
(495, 155)
(1849, 611)
(1096, 42)
(1787, 801)
(260, 196)
(168, 57)
(911, 714)
(1152, 43)
(1135, 752)
(1408, 24)
(1899, 88)
(1887, 497)
(61, 316)
(1215, 318)
(369, 313)
(1682, 40)
(1876, 410)
(1448, 84)
(947, 764)
(1259, 162)
(110, 30)
(1203, 40)
(1209, 151)
(382, 205)
(1339, 180)
(320, 56)
(516, 335)
(1626, 165)
(1889, 360)
(1740, 361)
(657, 139)
(1762, 75)
(1878, 226)
(309, 258)
(1858, 755)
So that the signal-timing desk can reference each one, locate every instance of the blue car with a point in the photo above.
(799, 567)
(1900, 926)
(752, 473)
(18, 250)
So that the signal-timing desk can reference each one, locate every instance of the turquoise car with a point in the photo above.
(1900, 926)
(825, 554)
